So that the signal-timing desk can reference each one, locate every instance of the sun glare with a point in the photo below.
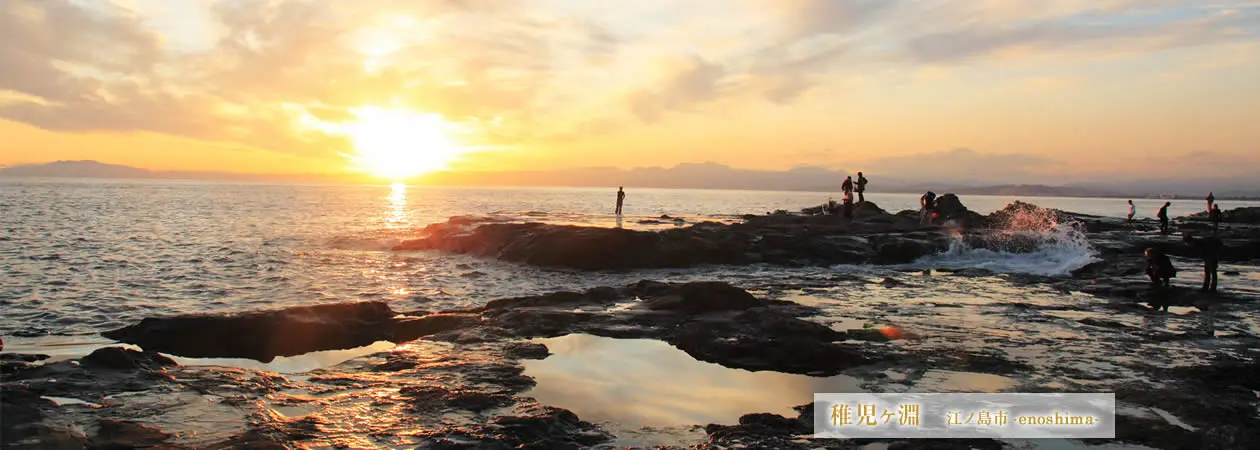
(398, 144)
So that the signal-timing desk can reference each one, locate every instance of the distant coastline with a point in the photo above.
(715, 177)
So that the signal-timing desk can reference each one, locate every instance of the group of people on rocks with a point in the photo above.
(1213, 210)
(1159, 267)
(849, 187)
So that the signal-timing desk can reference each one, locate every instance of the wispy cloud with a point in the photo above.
(547, 71)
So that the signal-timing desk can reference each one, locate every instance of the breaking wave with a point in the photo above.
(1023, 239)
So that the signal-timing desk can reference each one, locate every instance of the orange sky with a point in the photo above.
(1075, 87)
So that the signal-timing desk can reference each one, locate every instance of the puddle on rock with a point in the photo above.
(947, 381)
(291, 364)
(649, 393)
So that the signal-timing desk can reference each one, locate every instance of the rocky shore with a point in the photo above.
(457, 379)
(873, 236)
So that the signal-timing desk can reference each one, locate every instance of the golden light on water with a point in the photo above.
(397, 144)
(396, 215)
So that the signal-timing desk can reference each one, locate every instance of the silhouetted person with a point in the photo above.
(861, 188)
(1132, 210)
(1159, 268)
(848, 205)
(847, 186)
(1210, 249)
(1215, 216)
(1163, 217)
(927, 203)
(621, 197)
(1211, 199)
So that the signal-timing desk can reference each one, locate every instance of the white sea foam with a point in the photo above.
(1032, 241)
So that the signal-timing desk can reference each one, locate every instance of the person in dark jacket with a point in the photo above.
(847, 186)
(861, 188)
(926, 203)
(1210, 249)
(1163, 217)
(1159, 268)
(1215, 216)
(1211, 199)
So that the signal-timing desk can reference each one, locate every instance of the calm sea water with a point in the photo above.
(81, 256)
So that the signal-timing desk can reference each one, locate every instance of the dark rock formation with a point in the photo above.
(262, 335)
(118, 358)
(407, 329)
(704, 297)
(873, 236)
(1244, 215)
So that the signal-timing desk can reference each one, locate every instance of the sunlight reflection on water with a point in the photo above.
(637, 382)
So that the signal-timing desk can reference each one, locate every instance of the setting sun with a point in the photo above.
(397, 144)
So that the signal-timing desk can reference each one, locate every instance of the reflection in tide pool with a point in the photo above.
(291, 364)
(648, 383)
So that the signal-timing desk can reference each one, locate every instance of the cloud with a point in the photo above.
(1127, 31)
(533, 71)
(684, 82)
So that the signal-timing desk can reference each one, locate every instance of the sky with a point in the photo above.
(1057, 90)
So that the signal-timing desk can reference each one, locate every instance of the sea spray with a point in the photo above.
(1021, 238)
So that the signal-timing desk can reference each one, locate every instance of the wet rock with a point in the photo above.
(568, 299)
(865, 334)
(21, 410)
(781, 238)
(121, 434)
(904, 249)
(889, 282)
(549, 428)
(1246, 215)
(1225, 374)
(11, 363)
(604, 294)
(404, 330)
(436, 399)
(527, 350)
(262, 335)
(759, 424)
(704, 297)
(1104, 323)
(118, 358)
(949, 206)
(589, 248)
(792, 353)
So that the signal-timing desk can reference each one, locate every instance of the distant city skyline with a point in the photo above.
(1070, 91)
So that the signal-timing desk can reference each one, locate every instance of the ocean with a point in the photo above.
(82, 256)
(78, 257)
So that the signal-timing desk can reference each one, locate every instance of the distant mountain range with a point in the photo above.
(684, 176)
(96, 169)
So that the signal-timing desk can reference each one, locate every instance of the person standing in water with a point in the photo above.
(1132, 210)
(1211, 199)
(861, 188)
(621, 197)
(1163, 217)
(1210, 248)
